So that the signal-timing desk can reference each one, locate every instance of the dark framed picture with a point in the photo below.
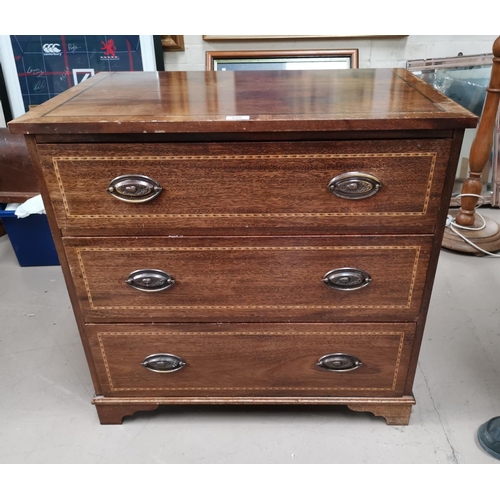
(5, 111)
(246, 60)
(39, 67)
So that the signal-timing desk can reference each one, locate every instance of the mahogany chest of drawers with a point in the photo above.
(249, 237)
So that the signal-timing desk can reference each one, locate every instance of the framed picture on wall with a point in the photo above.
(224, 38)
(39, 67)
(246, 60)
(5, 111)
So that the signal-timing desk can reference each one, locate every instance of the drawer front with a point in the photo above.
(326, 279)
(246, 360)
(341, 187)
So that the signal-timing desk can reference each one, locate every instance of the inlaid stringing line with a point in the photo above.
(84, 277)
(216, 249)
(429, 183)
(414, 275)
(61, 188)
(398, 361)
(249, 216)
(222, 334)
(105, 359)
(257, 389)
(242, 157)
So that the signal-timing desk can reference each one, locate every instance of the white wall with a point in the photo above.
(373, 53)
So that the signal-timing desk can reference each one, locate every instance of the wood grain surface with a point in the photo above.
(18, 181)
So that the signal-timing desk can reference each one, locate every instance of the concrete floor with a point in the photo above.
(45, 390)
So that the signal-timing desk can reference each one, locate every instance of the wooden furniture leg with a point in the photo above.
(489, 237)
(113, 414)
(394, 414)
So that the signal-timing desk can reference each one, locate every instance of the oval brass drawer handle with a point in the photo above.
(347, 279)
(134, 188)
(339, 362)
(150, 280)
(163, 363)
(354, 185)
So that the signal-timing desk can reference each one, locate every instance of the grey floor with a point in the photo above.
(45, 390)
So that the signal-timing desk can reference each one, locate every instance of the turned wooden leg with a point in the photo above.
(110, 414)
(467, 219)
(481, 147)
(394, 414)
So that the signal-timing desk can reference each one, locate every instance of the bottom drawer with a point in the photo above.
(252, 359)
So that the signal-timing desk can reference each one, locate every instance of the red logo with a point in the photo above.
(109, 48)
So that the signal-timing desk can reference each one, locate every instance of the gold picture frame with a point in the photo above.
(172, 42)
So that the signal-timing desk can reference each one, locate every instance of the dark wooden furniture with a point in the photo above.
(249, 237)
(18, 181)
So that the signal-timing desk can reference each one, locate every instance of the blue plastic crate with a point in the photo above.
(31, 238)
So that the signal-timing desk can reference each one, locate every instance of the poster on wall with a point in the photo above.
(50, 64)
(5, 111)
(43, 66)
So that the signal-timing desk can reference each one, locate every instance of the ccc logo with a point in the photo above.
(51, 48)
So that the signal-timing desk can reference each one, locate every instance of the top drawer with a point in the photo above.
(328, 187)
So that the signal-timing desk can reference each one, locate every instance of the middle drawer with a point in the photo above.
(326, 279)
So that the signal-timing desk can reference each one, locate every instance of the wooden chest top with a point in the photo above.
(246, 102)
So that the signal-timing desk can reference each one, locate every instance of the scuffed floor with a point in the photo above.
(45, 389)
